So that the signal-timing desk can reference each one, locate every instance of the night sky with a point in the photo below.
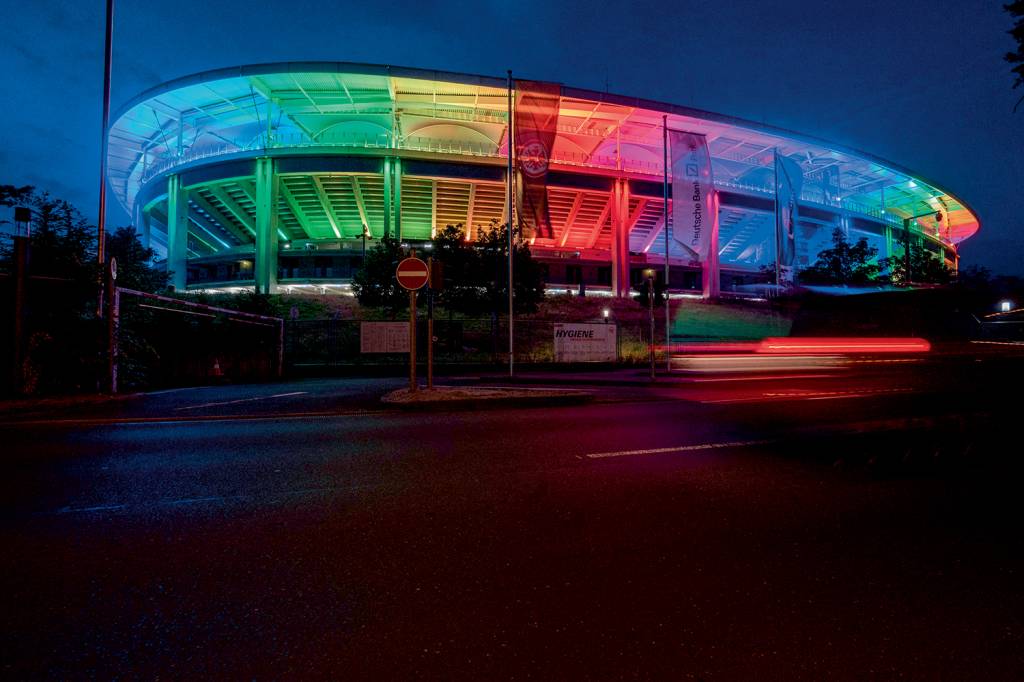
(920, 83)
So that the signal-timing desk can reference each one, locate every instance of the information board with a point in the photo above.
(383, 337)
(585, 343)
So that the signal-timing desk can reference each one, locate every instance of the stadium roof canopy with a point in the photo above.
(310, 107)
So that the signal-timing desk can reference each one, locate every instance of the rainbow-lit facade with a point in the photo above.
(264, 176)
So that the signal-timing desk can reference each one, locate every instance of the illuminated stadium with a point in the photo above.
(264, 176)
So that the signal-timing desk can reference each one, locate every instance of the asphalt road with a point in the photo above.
(863, 524)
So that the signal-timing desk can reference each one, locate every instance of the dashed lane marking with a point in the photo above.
(676, 448)
(240, 400)
(809, 395)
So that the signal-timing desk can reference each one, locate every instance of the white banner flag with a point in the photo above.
(694, 214)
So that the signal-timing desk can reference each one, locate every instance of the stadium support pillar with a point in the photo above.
(177, 232)
(388, 199)
(266, 234)
(396, 170)
(147, 228)
(887, 228)
(620, 238)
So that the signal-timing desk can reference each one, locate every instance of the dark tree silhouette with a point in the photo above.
(844, 263)
(1016, 10)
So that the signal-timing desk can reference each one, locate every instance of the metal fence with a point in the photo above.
(309, 344)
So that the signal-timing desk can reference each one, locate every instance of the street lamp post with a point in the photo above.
(906, 238)
(366, 235)
(649, 274)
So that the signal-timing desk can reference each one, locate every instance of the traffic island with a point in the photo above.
(480, 397)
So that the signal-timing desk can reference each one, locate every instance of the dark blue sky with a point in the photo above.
(920, 83)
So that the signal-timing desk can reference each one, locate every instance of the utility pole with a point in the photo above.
(22, 241)
(101, 221)
(511, 241)
(650, 312)
(664, 220)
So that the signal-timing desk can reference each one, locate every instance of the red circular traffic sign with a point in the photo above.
(412, 273)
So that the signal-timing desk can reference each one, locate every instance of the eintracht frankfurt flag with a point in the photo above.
(694, 214)
(536, 123)
(789, 181)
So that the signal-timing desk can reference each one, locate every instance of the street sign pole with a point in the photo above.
(430, 324)
(113, 315)
(412, 331)
(412, 340)
(412, 274)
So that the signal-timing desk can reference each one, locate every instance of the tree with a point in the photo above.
(374, 284)
(464, 275)
(844, 263)
(11, 195)
(62, 338)
(135, 269)
(925, 267)
(475, 273)
(528, 278)
(1016, 10)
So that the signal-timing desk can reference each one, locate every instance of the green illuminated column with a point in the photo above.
(141, 222)
(888, 240)
(388, 200)
(266, 232)
(147, 229)
(177, 232)
(396, 169)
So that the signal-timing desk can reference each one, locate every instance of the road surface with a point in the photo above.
(858, 525)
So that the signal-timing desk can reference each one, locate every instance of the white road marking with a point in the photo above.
(101, 507)
(677, 448)
(808, 395)
(241, 400)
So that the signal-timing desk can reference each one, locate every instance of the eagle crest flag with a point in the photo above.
(536, 124)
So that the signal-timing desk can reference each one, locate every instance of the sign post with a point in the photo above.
(113, 314)
(412, 274)
(650, 311)
(430, 324)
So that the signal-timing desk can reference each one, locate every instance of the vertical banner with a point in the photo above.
(789, 180)
(694, 204)
(536, 124)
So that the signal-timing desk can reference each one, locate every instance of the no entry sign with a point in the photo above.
(412, 273)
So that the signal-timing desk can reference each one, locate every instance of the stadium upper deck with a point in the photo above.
(266, 175)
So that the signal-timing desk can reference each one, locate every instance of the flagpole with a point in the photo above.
(664, 220)
(511, 242)
(778, 232)
(101, 216)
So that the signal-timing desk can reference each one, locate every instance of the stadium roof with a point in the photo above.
(360, 108)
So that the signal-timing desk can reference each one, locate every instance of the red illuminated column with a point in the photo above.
(620, 238)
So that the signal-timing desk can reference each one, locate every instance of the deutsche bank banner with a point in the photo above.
(585, 343)
(694, 214)
(383, 337)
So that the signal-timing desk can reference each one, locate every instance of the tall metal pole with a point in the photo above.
(906, 250)
(101, 221)
(650, 313)
(778, 220)
(511, 243)
(664, 220)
